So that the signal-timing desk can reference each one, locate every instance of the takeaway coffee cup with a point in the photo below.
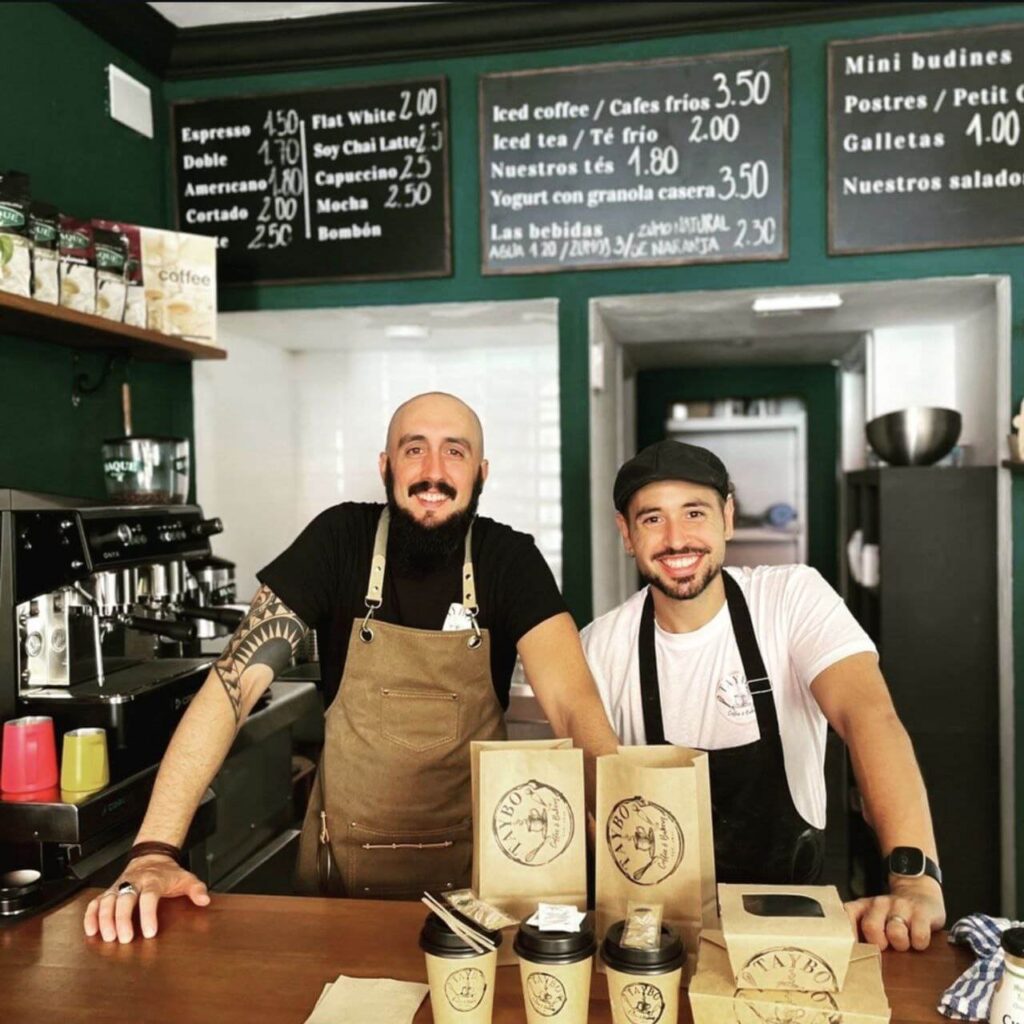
(643, 984)
(555, 969)
(29, 759)
(84, 767)
(461, 980)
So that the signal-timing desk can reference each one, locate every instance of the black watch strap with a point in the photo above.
(912, 862)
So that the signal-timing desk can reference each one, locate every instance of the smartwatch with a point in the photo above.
(911, 862)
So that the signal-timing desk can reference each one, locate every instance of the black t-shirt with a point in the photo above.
(323, 575)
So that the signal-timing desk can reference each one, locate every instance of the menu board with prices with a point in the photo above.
(639, 164)
(348, 183)
(926, 147)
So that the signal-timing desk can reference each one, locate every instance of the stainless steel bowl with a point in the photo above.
(918, 436)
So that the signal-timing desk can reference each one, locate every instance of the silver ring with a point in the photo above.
(127, 889)
(902, 920)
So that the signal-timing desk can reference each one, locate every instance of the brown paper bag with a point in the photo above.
(654, 841)
(529, 827)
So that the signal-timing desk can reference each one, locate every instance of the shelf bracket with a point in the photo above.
(81, 385)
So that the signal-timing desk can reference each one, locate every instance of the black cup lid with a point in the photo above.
(438, 939)
(555, 947)
(667, 957)
(1013, 941)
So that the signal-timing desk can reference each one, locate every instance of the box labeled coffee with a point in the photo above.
(179, 276)
(795, 937)
(717, 998)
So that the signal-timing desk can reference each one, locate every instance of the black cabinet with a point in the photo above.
(933, 616)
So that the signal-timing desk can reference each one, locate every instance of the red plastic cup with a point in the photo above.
(29, 760)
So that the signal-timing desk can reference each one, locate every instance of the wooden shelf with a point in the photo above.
(46, 322)
(1012, 466)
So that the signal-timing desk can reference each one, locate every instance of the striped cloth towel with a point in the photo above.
(969, 997)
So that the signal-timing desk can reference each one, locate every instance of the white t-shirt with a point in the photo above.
(802, 627)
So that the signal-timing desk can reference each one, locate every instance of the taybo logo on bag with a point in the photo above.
(533, 824)
(782, 1007)
(645, 840)
(643, 1003)
(465, 989)
(545, 992)
(11, 216)
(786, 967)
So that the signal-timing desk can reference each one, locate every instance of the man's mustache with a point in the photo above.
(688, 550)
(433, 485)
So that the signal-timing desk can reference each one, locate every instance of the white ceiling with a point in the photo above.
(717, 328)
(188, 15)
(452, 325)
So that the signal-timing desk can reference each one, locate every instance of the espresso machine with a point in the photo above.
(104, 610)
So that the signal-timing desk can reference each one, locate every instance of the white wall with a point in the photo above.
(853, 398)
(343, 401)
(283, 434)
(909, 366)
(245, 466)
(976, 356)
(950, 365)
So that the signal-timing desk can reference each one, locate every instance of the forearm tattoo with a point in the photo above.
(268, 635)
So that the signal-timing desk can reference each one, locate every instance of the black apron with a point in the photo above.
(760, 836)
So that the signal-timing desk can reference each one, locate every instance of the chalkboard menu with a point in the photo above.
(337, 184)
(925, 140)
(638, 164)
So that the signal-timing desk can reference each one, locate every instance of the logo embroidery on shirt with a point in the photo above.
(733, 700)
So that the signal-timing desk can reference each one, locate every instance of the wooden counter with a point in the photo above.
(266, 958)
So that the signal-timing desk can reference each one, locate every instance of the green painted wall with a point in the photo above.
(808, 262)
(818, 386)
(55, 126)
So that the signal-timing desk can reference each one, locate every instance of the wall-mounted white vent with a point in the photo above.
(130, 101)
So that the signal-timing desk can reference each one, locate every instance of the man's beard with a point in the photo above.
(417, 549)
(688, 589)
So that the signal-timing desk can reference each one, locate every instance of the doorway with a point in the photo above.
(887, 345)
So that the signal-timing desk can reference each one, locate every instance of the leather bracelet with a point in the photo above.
(144, 849)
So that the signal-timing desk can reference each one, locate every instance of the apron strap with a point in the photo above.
(654, 729)
(750, 655)
(375, 586)
(758, 683)
(468, 579)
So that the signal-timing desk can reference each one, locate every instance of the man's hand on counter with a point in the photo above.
(154, 877)
(903, 919)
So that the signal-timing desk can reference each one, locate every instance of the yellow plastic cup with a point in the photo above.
(84, 766)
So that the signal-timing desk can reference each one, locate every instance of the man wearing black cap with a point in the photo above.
(753, 665)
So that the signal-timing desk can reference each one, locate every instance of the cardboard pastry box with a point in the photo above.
(715, 997)
(795, 937)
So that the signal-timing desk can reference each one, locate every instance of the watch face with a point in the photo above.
(906, 860)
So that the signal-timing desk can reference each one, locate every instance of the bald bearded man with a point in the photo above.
(420, 607)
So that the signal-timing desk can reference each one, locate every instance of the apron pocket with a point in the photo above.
(400, 865)
(419, 720)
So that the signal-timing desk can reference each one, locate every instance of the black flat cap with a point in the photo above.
(669, 460)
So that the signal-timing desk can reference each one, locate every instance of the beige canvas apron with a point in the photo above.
(390, 813)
